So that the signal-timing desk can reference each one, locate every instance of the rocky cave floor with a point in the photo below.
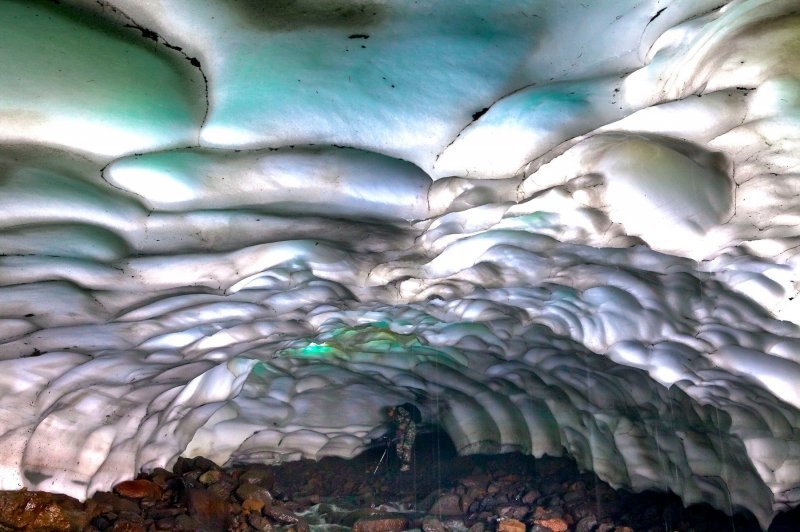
(509, 493)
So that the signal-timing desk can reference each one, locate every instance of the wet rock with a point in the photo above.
(583, 509)
(555, 524)
(280, 513)
(204, 464)
(191, 479)
(530, 497)
(208, 509)
(259, 522)
(252, 506)
(167, 523)
(223, 488)
(35, 510)
(211, 476)
(162, 513)
(101, 522)
(513, 512)
(540, 513)
(381, 523)
(453, 523)
(587, 524)
(490, 502)
(431, 524)
(263, 477)
(477, 480)
(138, 489)
(309, 500)
(124, 525)
(105, 502)
(254, 492)
(184, 522)
(183, 465)
(161, 476)
(447, 504)
(477, 527)
(350, 518)
(510, 525)
(470, 496)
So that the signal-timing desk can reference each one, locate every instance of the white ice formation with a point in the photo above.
(238, 229)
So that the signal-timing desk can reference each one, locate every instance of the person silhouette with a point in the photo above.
(405, 418)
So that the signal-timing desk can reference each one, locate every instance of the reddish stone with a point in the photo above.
(35, 510)
(138, 489)
(510, 525)
(110, 502)
(252, 505)
(208, 509)
(555, 524)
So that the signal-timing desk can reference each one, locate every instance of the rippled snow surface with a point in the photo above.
(239, 229)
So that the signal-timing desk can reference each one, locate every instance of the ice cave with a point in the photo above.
(239, 229)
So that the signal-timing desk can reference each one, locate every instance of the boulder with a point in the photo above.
(35, 510)
(208, 509)
(211, 476)
(138, 489)
(253, 492)
(447, 504)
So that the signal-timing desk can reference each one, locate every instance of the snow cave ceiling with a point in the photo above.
(240, 228)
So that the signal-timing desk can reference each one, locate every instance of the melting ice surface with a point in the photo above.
(239, 229)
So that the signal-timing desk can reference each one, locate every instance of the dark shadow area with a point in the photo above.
(786, 521)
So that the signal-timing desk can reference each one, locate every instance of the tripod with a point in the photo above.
(385, 452)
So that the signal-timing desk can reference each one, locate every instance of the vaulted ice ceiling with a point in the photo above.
(239, 228)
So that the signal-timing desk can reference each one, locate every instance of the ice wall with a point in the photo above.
(238, 229)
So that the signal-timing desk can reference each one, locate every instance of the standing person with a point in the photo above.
(405, 418)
